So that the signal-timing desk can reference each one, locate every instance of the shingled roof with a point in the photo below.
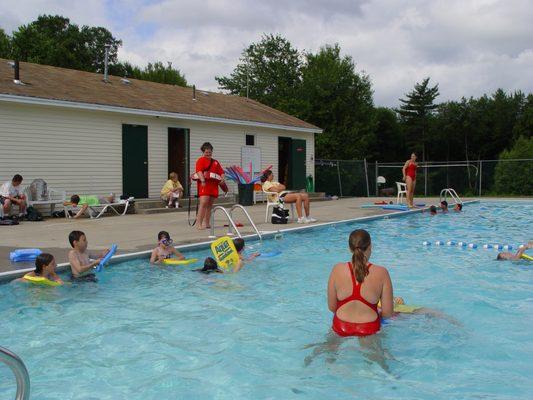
(53, 83)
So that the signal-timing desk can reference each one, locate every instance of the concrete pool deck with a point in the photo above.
(136, 232)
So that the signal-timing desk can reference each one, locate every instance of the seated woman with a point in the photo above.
(301, 200)
(172, 191)
(356, 287)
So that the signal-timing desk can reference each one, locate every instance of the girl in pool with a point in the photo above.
(356, 287)
(45, 267)
(409, 177)
(164, 249)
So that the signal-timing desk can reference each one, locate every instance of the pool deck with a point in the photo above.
(135, 233)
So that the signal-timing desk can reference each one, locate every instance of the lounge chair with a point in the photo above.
(49, 197)
(99, 210)
(276, 203)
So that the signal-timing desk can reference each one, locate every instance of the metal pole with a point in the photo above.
(366, 176)
(425, 181)
(480, 175)
(377, 189)
(339, 175)
(19, 370)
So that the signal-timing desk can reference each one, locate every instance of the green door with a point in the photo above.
(135, 160)
(297, 164)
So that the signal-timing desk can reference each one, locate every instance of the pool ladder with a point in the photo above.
(19, 370)
(232, 227)
(452, 193)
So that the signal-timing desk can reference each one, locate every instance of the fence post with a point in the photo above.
(339, 175)
(376, 179)
(366, 175)
(480, 175)
(426, 181)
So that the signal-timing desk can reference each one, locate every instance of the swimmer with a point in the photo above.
(356, 287)
(45, 267)
(423, 311)
(458, 207)
(210, 266)
(514, 256)
(432, 210)
(164, 249)
(444, 206)
(81, 262)
(239, 246)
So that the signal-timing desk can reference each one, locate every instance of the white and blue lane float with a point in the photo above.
(487, 246)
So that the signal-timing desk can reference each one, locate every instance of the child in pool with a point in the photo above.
(164, 249)
(458, 207)
(81, 262)
(45, 267)
(432, 210)
(514, 256)
(239, 245)
(210, 266)
(444, 206)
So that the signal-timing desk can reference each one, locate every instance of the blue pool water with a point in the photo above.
(147, 332)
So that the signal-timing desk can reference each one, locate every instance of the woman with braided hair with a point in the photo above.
(356, 287)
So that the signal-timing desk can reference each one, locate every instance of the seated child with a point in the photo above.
(444, 206)
(45, 267)
(458, 207)
(172, 191)
(11, 193)
(164, 249)
(81, 262)
(85, 201)
(514, 256)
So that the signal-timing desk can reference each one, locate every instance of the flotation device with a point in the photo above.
(270, 254)
(40, 280)
(526, 257)
(107, 257)
(24, 255)
(399, 207)
(175, 261)
(207, 175)
(404, 308)
(225, 252)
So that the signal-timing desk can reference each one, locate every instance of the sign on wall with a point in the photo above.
(253, 155)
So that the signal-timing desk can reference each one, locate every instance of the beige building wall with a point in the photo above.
(80, 151)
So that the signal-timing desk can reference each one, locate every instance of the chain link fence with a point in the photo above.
(346, 178)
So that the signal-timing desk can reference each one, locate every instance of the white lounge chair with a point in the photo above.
(402, 190)
(276, 203)
(99, 210)
(50, 198)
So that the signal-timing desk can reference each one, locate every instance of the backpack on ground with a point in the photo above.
(32, 214)
(7, 222)
(280, 215)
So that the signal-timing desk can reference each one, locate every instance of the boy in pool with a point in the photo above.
(444, 206)
(164, 249)
(210, 266)
(81, 262)
(45, 267)
(507, 255)
(239, 245)
(458, 207)
(432, 210)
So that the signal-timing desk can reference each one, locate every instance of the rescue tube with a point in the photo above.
(398, 207)
(107, 257)
(526, 257)
(40, 280)
(175, 261)
(225, 252)
(24, 255)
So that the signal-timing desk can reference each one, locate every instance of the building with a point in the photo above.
(85, 135)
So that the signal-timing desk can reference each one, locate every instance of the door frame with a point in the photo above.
(187, 133)
(146, 186)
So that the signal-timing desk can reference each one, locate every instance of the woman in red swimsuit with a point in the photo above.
(356, 287)
(409, 177)
(210, 175)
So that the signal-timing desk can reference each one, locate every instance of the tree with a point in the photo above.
(416, 112)
(5, 45)
(390, 143)
(339, 100)
(53, 40)
(155, 72)
(268, 71)
(515, 177)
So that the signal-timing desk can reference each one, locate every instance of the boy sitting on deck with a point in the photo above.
(11, 193)
(81, 262)
(85, 201)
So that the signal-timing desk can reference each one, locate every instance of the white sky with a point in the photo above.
(468, 47)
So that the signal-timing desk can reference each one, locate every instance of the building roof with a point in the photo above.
(80, 87)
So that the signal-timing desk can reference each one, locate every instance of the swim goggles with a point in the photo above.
(166, 242)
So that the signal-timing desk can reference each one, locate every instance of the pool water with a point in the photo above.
(147, 332)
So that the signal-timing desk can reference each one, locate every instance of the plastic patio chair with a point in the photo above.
(402, 190)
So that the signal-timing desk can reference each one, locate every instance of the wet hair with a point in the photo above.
(75, 199)
(499, 257)
(266, 175)
(433, 209)
(460, 206)
(444, 203)
(172, 175)
(206, 146)
(75, 236)
(163, 235)
(359, 242)
(42, 261)
(210, 265)
(239, 244)
(17, 178)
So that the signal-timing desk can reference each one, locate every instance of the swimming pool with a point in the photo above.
(147, 332)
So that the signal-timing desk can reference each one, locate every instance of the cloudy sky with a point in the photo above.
(469, 47)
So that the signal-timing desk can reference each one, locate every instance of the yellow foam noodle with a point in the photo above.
(39, 280)
(526, 257)
(225, 252)
(174, 261)
(404, 308)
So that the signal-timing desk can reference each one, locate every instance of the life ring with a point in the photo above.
(40, 280)
(24, 255)
(175, 261)
(107, 257)
(225, 252)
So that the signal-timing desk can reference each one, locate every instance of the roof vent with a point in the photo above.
(194, 92)
(106, 63)
(125, 81)
(204, 93)
(16, 66)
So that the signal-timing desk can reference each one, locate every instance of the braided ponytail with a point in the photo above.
(359, 242)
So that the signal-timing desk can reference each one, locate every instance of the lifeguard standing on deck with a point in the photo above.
(409, 177)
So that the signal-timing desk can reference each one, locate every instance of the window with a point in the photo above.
(250, 140)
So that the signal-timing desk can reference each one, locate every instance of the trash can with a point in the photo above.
(309, 184)
(246, 194)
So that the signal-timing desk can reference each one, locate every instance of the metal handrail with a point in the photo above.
(230, 221)
(238, 206)
(19, 370)
(453, 194)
